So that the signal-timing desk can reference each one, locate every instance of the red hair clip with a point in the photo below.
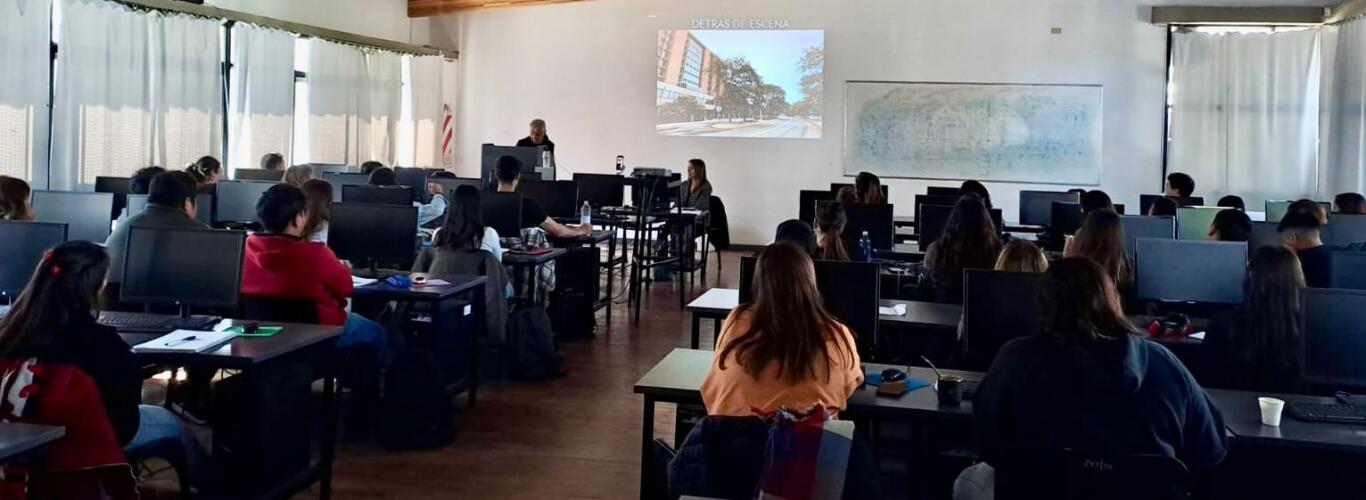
(47, 256)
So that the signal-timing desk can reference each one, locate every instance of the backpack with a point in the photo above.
(418, 411)
(531, 344)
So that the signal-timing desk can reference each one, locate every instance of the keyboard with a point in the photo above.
(1327, 412)
(127, 322)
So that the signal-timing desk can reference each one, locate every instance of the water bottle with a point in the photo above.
(586, 214)
(545, 159)
(866, 245)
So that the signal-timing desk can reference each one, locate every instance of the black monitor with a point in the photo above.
(448, 185)
(875, 219)
(1345, 229)
(1334, 337)
(1276, 209)
(1145, 226)
(339, 179)
(1145, 201)
(850, 291)
(943, 191)
(1264, 233)
(373, 235)
(655, 193)
(236, 200)
(23, 244)
(933, 218)
(922, 200)
(258, 174)
(1036, 207)
(503, 213)
(185, 267)
(530, 158)
(601, 190)
(835, 188)
(1190, 270)
(120, 187)
(321, 169)
(415, 178)
(557, 198)
(377, 195)
(1065, 217)
(808, 200)
(203, 207)
(998, 306)
(86, 215)
(1348, 270)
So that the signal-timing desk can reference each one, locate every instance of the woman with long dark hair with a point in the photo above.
(464, 229)
(869, 188)
(206, 171)
(829, 226)
(977, 188)
(14, 193)
(319, 209)
(969, 241)
(1090, 383)
(1101, 239)
(698, 194)
(784, 349)
(1257, 346)
(795, 232)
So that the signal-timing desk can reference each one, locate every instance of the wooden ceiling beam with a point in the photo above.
(427, 8)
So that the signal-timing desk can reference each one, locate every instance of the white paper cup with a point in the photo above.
(1271, 411)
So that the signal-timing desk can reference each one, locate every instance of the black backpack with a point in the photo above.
(530, 347)
(417, 411)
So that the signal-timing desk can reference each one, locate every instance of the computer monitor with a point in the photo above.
(922, 200)
(530, 158)
(415, 178)
(1348, 270)
(943, 191)
(1276, 209)
(875, 219)
(23, 244)
(203, 207)
(1145, 226)
(655, 193)
(1334, 337)
(998, 306)
(236, 200)
(808, 201)
(258, 174)
(933, 218)
(120, 187)
(339, 179)
(1036, 207)
(1192, 223)
(601, 190)
(373, 235)
(448, 185)
(503, 213)
(1345, 229)
(557, 198)
(321, 169)
(835, 188)
(1264, 233)
(1065, 217)
(186, 267)
(1145, 201)
(85, 214)
(1190, 270)
(377, 195)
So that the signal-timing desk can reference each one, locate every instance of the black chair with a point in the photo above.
(282, 310)
(998, 307)
(718, 233)
(1069, 474)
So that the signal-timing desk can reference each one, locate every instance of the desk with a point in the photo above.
(18, 439)
(436, 296)
(593, 240)
(648, 223)
(909, 252)
(1243, 418)
(716, 304)
(268, 395)
(531, 264)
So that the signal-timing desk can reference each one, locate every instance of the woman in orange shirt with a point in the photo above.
(783, 350)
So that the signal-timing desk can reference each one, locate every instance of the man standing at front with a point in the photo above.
(537, 137)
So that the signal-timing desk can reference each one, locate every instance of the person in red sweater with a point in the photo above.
(280, 263)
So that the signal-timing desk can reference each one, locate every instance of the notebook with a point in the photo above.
(185, 341)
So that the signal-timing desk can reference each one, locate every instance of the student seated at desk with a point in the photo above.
(1095, 199)
(381, 175)
(1231, 225)
(426, 212)
(509, 171)
(369, 168)
(1349, 203)
(319, 195)
(799, 234)
(1022, 257)
(170, 205)
(1257, 346)
(1089, 382)
(297, 175)
(970, 241)
(1179, 185)
(1101, 239)
(206, 171)
(784, 349)
(829, 226)
(139, 183)
(977, 188)
(1301, 229)
(464, 245)
(697, 192)
(1232, 201)
(53, 322)
(272, 161)
(846, 194)
(869, 188)
(1165, 207)
(14, 196)
(464, 229)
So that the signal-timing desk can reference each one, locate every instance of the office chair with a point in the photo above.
(719, 234)
(278, 309)
(1072, 474)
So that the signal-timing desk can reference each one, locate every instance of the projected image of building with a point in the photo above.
(687, 68)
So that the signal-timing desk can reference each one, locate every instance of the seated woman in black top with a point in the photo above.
(1257, 346)
(1301, 228)
(969, 241)
(829, 226)
(1088, 382)
(1231, 225)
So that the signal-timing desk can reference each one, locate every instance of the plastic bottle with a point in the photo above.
(866, 245)
(586, 214)
(546, 161)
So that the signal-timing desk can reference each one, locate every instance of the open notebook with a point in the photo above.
(185, 341)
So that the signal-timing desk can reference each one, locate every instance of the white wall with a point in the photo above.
(588, 69)
(387, 19)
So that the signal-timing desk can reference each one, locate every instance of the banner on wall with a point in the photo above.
(447, 138)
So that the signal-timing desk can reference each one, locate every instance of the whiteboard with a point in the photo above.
(1048, 134)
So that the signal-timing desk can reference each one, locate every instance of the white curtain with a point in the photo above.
(1244, 116)
(261, 101)
(102, 120)
(188, 92)
(380, 107)
(24, 40)
(1344, 112)
(425, 88)
(336, 78)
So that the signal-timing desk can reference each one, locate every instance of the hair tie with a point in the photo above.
(47, 256)
(56, 270)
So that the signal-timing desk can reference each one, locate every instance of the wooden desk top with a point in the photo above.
(19, 438)
(241, 352)
(716, 301)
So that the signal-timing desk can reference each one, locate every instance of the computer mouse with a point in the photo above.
(893, 375)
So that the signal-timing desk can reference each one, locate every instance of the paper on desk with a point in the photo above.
(185, 341)
(436, 282)
(359, 281)
(896, 310)
(1198, 335)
